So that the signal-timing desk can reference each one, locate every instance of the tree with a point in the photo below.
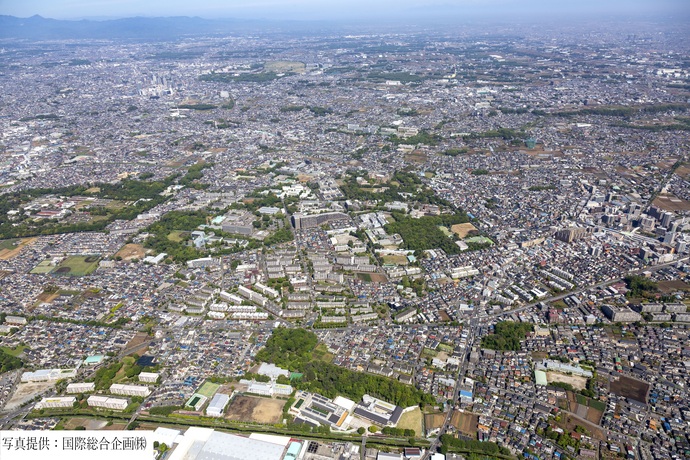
(361, 430)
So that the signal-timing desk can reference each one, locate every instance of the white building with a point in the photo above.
(82, 387)
(105, 402)
(129, 390)
(57, 402)
(149, 377)
(48, 375)
(273, 371)
(217, 405)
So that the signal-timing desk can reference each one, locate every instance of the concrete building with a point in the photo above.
(129, 390)
(64, 402)
(48, 375)
(301, 220)
(83, 387)
(149, 377)
(217, 405)
(620, 315)
(105, 402)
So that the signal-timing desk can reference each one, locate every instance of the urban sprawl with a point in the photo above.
(409, 244)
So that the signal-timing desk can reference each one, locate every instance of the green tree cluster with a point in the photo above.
(9, 362)
(451, 443)
(292, 349)
(507, 336)
(424, 233)
(639, 286)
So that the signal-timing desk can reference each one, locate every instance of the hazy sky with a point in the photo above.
(334, 9)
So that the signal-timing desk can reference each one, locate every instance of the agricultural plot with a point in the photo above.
(9, 249)
(630, 388)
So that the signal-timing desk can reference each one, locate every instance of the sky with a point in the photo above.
(338, 9)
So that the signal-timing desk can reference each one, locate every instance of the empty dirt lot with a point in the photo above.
(579, 383)
(462, 230)
(253, 409)
(465, 422)
(630, 388)
(131, 251)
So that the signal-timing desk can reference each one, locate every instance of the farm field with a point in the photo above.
(465, 422)
(433, 421)
(630, 388)
(9, 249)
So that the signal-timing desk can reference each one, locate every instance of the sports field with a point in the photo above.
(42, 268)
(208, 389)
(77, 266)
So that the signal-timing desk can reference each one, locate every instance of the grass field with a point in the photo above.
(395, 260)
(16, 351)
(177, 236)
(412, 420)
(285, 66)
(77, 266)
(371, 277)
(479, 239)
(445, 231)
(321, 353)
(8, 244)
(208, 389)
(42, 268)
(9, 249)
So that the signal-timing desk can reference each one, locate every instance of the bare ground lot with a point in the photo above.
(433, 421)
(667, 287)
(253, 409)
(579, 383)
(88, 423)
(131, 251)
(670, 202)
(138, 339)
(465, 422)
(571, 422)
(26, 392)
(630, 388)
(8, 254)
(462, 230)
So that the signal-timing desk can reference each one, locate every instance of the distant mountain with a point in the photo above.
(139, 28)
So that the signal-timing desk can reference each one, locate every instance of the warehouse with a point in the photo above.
(217, 405)
(205, 443)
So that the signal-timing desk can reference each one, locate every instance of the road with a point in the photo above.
(595, 286)
(471, 336)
